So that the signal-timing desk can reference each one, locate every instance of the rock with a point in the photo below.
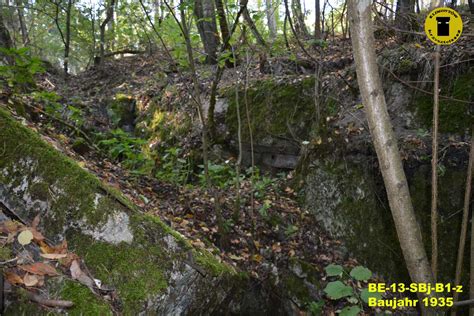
(153, 269)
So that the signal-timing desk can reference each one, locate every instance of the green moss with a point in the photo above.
(39, 191)
(5, 253)
(406, 66)
(136, 271)
(454, 117)
(121, 109)
(73, 190)
(85, 302)
(274, 106)
(296, 288)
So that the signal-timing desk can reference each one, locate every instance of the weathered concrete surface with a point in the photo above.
(154, 270)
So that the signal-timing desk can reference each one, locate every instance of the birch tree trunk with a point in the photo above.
(385, 142)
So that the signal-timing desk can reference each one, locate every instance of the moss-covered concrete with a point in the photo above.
(122, 110)
(151, 267)
(283, 108)
(345, 197)
(454, 116)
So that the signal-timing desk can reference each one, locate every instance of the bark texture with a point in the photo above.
(206, 23)
(385, 142)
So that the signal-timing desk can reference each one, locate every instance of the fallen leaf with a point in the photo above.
(53, 256)
(45, 248)
(13, 278)
(67, 261)
(234, 257)
(258, 258)
(79, 275)
(37, 236)
(40, 268)
(198, 243)
(35, 222)
(9, 227)
(30, 280)
(25, 237)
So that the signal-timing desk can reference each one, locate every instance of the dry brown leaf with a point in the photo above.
(40, 268)
(67, 261)
(53, 256)
(37, 236)
(10, 227)
(45, 248)
(36, 221)
(13, 278)
(198, 243)
(61, 248)
(79, 275)
(30, 280)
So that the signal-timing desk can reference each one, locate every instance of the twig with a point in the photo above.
(8, 261)
(78, 130)
(49, 302)
(425, 91)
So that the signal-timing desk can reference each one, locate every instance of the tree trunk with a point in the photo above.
(385, 142)
(471, 6)
(224, 26)
(5, 39)
(207, 27)
(21, 20)
(67, 43)
(253, 28)
(298, 18)
(108, 17)
(317, 21)
(404, 9)
(271, 19)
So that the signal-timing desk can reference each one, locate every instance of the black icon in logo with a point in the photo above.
(443, 25)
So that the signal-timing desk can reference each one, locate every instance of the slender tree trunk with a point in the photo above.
(220, 72)
(21, 20)
(5, 39)
(317, 21)
(67, 42)
(224, 26)
(434, 169)
(109, 15)
(271, 19)
(253, 28)
(471, 7)
(404, 9)
(465, 218)
(298, 19)
(385, 142)
(206, 23)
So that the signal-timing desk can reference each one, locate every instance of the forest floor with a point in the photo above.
(266, 235)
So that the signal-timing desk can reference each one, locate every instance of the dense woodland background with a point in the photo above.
(231, 157)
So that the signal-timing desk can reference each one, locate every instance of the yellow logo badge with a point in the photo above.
(443, 26)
